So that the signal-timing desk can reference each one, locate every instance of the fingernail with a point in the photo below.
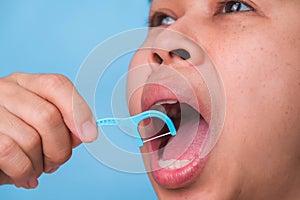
(33, 182)
(89, 131)
(51, 170)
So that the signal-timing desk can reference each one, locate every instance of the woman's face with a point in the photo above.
(255, 48)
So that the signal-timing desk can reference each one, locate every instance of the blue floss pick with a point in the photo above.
(133, 122)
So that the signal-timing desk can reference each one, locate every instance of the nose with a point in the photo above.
(160, 58)
(169, 47)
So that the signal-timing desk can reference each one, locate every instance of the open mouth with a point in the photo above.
(181, 115)
(175, 160)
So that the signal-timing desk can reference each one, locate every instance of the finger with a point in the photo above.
(43, 117)
(4, 179)
(15, 164)
(61, 92)
(25, 136)
(75, 142)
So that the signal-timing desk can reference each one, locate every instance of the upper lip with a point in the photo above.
(154, 93)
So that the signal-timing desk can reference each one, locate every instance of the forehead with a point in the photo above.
(262, 4)
(150, 1)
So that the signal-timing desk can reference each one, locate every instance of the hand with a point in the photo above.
(42, 117)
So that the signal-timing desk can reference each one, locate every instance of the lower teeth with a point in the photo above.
(173, 163)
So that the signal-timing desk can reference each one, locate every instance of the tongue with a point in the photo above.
(187, 142)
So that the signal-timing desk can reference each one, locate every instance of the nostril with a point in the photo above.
(182, 53)
(157, 58)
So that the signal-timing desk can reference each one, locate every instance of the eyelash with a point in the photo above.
(156, 19)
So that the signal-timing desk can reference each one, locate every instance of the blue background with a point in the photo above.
(55, 37)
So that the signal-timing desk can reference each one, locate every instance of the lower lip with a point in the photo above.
(184, 176)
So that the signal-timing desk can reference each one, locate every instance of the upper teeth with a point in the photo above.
(173, 163)
(166, 102)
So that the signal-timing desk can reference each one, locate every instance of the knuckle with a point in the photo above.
(48, 114)
(23, 169)
(53, 81)
(32, 140)
(15, 74)
(10, 78)
(6, 146)
(65, 156)
(7, 88)
(61, 157)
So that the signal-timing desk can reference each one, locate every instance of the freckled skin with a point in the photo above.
(257, 56)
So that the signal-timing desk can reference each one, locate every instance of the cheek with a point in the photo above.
(262, 93)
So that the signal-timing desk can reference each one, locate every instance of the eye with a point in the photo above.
(167, 20)
(161, 19)
(234, 6)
